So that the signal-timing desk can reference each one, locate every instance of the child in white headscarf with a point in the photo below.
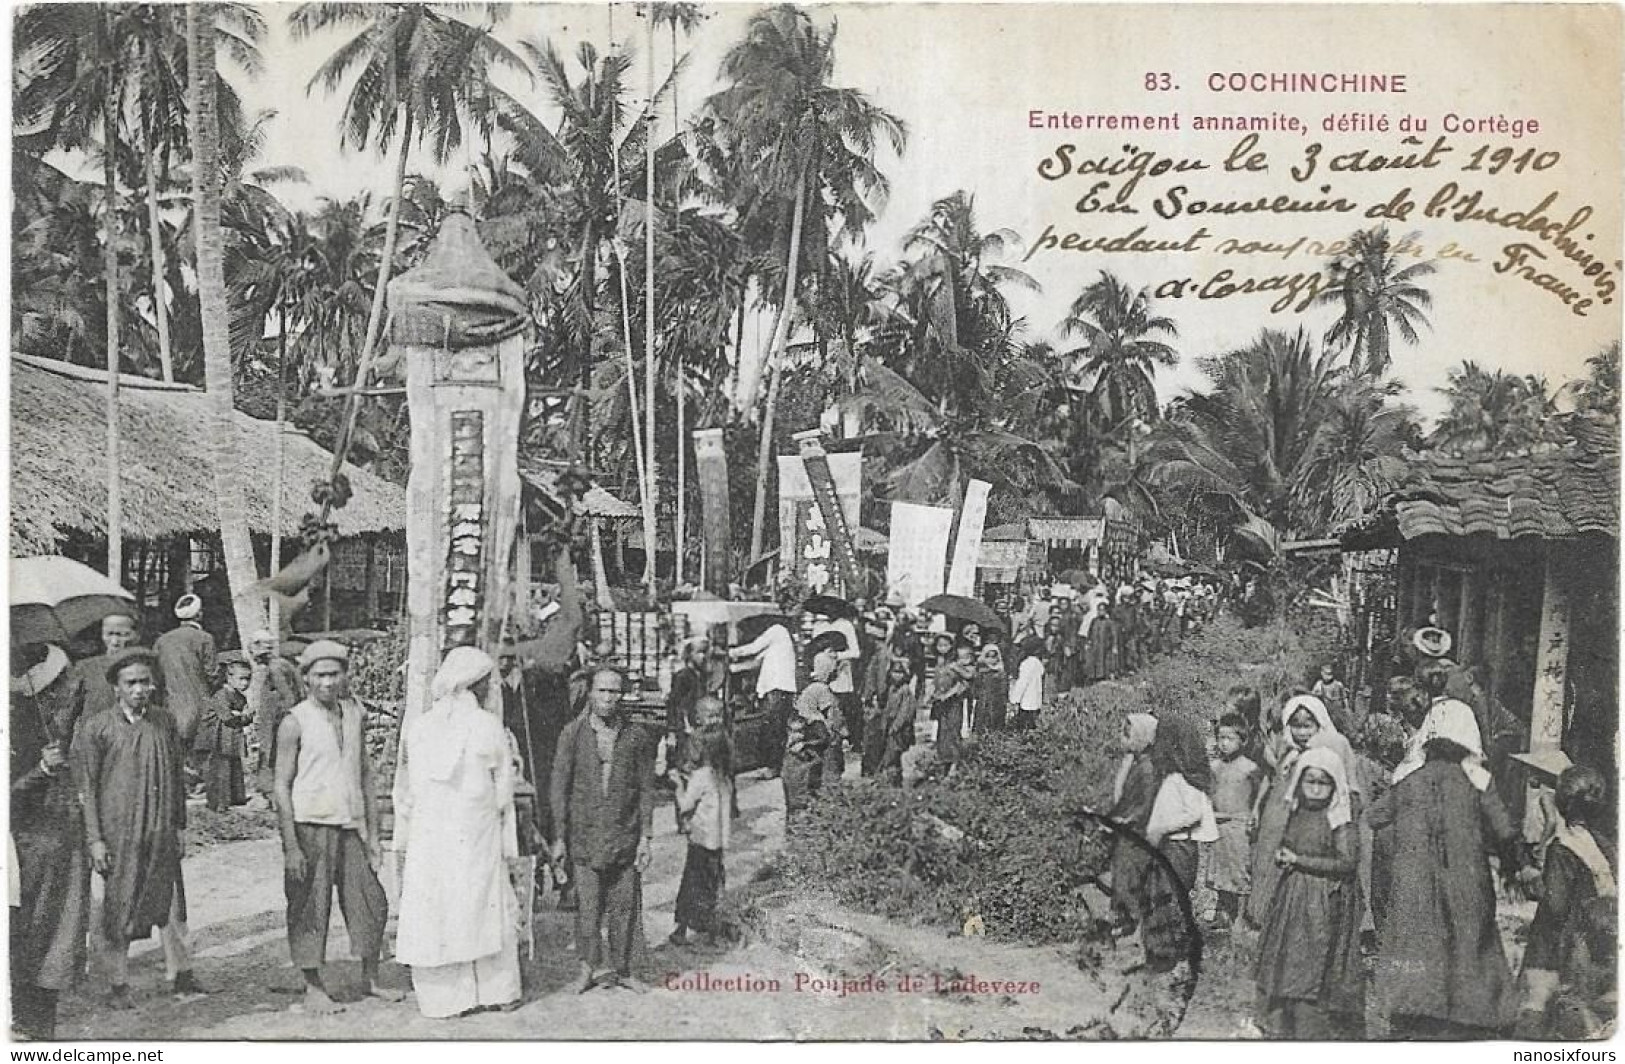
(1305, 724)
(1310, 983)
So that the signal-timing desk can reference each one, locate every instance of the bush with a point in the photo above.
(1024, 861)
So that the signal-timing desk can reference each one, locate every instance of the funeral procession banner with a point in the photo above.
(1073, 225)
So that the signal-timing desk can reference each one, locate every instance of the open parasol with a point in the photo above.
(961, 608)
(53, 599)
(830, 606)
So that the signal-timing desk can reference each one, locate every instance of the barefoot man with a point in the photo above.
(329, 826)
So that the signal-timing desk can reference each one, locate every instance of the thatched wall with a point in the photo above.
(58, 478)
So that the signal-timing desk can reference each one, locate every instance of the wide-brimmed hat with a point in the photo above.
(1431, 642)
(129, 656)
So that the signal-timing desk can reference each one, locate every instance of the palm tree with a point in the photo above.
(77, 55)
(809, 147)
(238, 548)
(416, 73)
(1599, 392)
(1494, 411)
(1249, 438)
(932, 452)
(569, 217)
(1119, 358)
(1377, 297)
(1357, 459)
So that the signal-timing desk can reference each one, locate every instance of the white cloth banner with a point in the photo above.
(918, 550)
(968, 544)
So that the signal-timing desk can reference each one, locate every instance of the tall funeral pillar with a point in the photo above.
(457, 332)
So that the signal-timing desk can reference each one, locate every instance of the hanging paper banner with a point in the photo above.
(816, 463)
(918, 551)
(968, 545)
(711, 467)
(806, 550)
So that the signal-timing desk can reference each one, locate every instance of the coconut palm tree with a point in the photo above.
(569, 227)
(1494, 411)
(1252, 433)
(1118, 360)
(948, 386)
(809, 147)
(1377, 297)
(416, 74)
(1357, 458)
(241, 572)
(78, 56)
(1599, 391)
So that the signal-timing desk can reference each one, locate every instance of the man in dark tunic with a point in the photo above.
(128, 768)
(92, 693)
(187, 660)
(48, 925)
(688, 684)
(603, 820)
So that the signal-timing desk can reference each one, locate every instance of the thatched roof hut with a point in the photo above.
(58, 477)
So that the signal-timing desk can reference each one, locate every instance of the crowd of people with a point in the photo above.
(1338, 836)
(1339, 840)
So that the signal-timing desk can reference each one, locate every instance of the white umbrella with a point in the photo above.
(54, 598)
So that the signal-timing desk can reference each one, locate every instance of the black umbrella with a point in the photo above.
(962, 608)
(830, 606)
(751, 628)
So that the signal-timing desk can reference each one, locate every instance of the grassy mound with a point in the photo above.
(997, 838)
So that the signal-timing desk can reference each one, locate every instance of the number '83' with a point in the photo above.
(1159, 82)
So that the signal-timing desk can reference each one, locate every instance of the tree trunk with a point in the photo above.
(277, 471)
(653, 469)
(236, 544)
(375, 316)
(386, 261)
(115, 498)
(781, 337)
(155, 235)
(678, 527)
(640, 459)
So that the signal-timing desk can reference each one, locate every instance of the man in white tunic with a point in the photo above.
(454, 810)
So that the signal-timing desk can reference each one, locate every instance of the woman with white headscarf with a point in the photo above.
(1440, 966)
(454, 812)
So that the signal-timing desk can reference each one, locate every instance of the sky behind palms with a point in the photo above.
(965, 77)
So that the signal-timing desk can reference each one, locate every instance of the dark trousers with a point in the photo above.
(778, 704)
(874, 746)
(334, 858)
(703, 883)
(223, 784)
(607, 900)
(851, 704)
(802, 780)
(33, 1008)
